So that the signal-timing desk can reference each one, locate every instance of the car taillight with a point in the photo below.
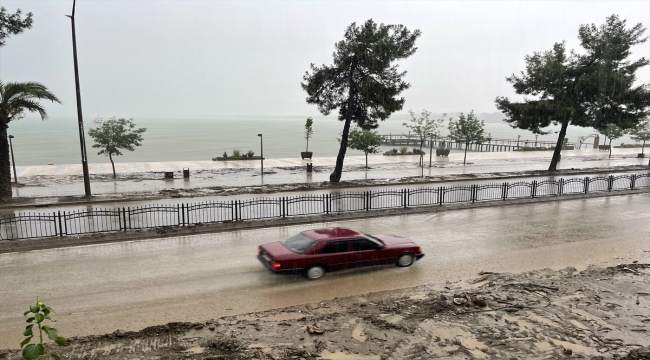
(276, 265)
(258, 250)
(419, 250)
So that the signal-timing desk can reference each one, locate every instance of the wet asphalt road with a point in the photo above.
(100, 288)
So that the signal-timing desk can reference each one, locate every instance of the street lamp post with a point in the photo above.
(430, 149)
(518, 137)
(82, 136)
(261, 153)
(536, 135)
(13, 162)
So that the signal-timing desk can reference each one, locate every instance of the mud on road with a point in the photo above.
(598, 313)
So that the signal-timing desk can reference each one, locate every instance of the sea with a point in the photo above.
(56, 140)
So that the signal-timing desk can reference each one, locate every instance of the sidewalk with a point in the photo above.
(478, 158)
(214, 178)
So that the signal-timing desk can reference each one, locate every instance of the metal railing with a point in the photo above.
(39, 225)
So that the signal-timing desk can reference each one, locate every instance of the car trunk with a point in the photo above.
(276, 251)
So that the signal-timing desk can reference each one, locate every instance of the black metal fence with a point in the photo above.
(37, 225)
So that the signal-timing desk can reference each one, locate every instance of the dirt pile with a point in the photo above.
(599, 313)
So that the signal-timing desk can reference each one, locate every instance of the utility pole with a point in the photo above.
(82, 135)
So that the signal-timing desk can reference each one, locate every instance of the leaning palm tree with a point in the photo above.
(16, 98)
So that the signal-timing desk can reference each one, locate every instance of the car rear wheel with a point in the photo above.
(405, 260)
(315, 272)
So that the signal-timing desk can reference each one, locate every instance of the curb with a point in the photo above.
(9, 246)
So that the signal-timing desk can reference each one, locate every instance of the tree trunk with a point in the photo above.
(366, 160)
(642, 146)
(307, 145)
(112, 163)
(610, 148)
(421, 155)
(5, 167)
(465, 158)
(335, 176)
(558, 147)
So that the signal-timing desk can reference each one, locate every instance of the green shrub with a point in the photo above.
(629, 146)
(38, 313)
(250, 153)
(394, 151)
(403, 150)
(225, 155)
(236, 154)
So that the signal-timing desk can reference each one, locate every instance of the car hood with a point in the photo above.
(394, 241)
(277, 251)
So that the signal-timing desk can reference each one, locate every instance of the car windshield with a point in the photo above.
(299, 243)
(375, 239)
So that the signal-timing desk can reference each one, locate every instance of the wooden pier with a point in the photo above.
(493, 145)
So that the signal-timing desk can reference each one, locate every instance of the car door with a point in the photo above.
(335, 255)
(365, 252)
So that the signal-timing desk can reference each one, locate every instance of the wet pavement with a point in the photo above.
(52, 206)
(147, 177)
(98, 289)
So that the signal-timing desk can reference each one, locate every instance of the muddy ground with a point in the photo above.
(598, 313)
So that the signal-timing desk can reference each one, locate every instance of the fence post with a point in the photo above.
(610, 183)
(504, 188)
(60, 227)
(632, 181)
(407, 195)
(473, 193)
(533, 190)
(128, 210)
(561, 188)
(326, 200)
(183, 214)
(237, 210)
(123, 218)
(440, 196)
(282, 205)
(366, 195)
(586, 184)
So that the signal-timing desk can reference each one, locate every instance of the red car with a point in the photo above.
(313, 252)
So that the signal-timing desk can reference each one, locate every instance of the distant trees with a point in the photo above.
(13, 24)
(16, 98)
(364, 140)
(589, 90)
(423, 126)
(309, 131)
(113, 134)
(612, 132)
(467, 129)
(363, 82)
(641, 133)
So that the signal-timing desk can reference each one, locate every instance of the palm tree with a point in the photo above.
(15, 99)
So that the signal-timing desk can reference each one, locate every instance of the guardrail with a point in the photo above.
(38, 225)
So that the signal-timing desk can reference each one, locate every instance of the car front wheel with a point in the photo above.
(315, 272)
(405, 260)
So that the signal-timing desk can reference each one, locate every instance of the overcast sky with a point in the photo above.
(171, 59)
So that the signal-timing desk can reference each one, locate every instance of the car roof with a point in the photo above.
(331, 233)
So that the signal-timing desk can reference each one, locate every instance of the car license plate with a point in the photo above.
(266, 257)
